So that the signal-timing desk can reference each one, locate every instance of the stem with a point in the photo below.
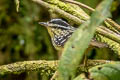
(80, 4)
(113, 24)
(107, 33)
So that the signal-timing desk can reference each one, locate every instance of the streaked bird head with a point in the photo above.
(59, 30)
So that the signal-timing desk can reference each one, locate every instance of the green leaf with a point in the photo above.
(78, 43)
(106, 72)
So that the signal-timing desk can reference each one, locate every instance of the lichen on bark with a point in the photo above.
(72, 9)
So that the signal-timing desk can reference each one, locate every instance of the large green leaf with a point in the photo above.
(106, 72)
(78, 43)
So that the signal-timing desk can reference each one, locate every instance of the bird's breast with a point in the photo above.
(60, 40)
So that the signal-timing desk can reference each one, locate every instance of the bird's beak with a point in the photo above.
(43, 24)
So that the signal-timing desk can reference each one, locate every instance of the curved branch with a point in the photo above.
(80, 4)
(19, 67)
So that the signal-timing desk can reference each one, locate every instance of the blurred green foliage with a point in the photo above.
(20, 35)
(21, 38)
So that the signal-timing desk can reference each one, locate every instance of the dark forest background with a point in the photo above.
(23, 39)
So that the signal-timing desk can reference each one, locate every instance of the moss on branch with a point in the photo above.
(74, 10)
(43, 66)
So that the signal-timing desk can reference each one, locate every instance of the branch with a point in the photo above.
(109, 34)
(80, 4)
(113, 24)
(43, 66)
(47, 67)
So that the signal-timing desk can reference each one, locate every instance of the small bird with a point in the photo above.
(59, 30)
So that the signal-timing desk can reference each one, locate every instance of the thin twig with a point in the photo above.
(80, 4)
(113, 24)
(107, 33)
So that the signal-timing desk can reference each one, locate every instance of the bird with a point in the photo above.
(60, 31)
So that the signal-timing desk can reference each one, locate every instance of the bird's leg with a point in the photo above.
(93, 44)
(85, 59)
